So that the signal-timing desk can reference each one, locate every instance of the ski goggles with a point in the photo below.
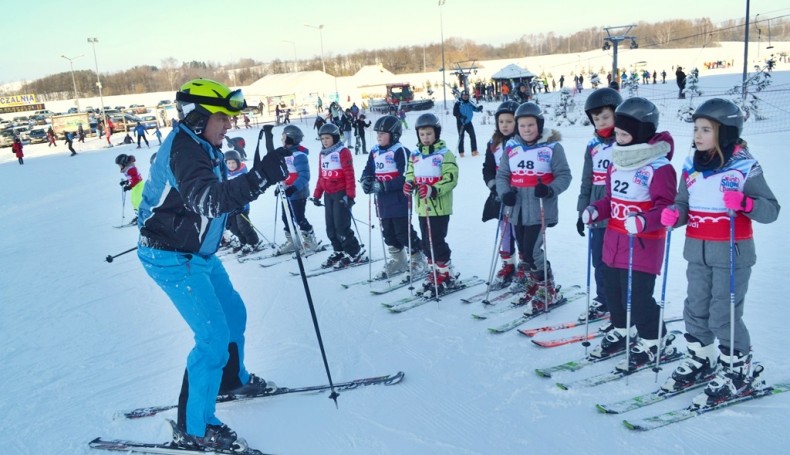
(234, 102)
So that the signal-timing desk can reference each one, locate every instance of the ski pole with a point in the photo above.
(586, 342)
(309, 297)
(109, 257)
(256, 229)
(411, 252)
(497, 247)
(123, 206)
(430, 244)
(628, 306)
(356, 228)
(657, 368)
(295, 238)
(732, 287)
(370, 241)
(383, 244)
(276, 209)
(545, 258)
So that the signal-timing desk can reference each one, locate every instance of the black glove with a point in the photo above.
(479, 109)
(124, 182)
(378, 186)
(269, 170)
(347, 201)
(267, 132)
(509, 198)
(543, 191)
(580, 226)
(316, 201)
(290, 190)
(127, 187)
(277, 191)
(367, 185)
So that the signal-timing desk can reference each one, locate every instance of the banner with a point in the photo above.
(19, 103)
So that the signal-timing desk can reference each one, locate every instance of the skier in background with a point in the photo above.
(132, 182)
(463, 110)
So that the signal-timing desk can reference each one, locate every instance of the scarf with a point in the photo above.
(630, 157)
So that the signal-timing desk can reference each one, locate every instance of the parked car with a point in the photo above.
(72, 110)
(149, 120)
(125, 122)
(37, 135)
(6, 138)
(22, 132)
(163, 103)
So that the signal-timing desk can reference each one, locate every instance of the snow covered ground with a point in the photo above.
(81, 339)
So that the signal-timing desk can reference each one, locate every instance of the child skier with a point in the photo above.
(505, 128)
(533, 168)
(639, 183)
(383, 177)
(599, 107)
(132, 182)
(239, 222)
(297, 190)
(433, 173)
(16, 148)
(337, 184)
(720, 177)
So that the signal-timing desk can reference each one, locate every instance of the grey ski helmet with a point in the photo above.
(233, 155)
(389, 124)
(429, 120)
(123, 159)
(293, 134)
(508, 107)
(727, 114)
(530, 109)
(332, 130)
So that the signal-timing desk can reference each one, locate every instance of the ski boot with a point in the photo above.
(533, 284)
(418, 265)
(520, 278)
(698, 366)
(538, 302)
(288, 246)
(597, 310)
(333, 259)
(309, 241)
(612, 343)
(347, 259)
(256, 386)
(645, 351)
(217, 437)
(730, 381)
(396, 264)
(440, 278)
(504, 275)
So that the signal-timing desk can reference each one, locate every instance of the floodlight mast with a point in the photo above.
(615, 42)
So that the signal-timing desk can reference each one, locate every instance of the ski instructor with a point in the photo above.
(182, 216)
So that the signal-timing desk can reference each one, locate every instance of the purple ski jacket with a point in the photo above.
(648, 252)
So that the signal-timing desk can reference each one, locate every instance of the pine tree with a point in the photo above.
(745, 96)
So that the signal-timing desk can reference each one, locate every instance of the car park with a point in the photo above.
(38, 135)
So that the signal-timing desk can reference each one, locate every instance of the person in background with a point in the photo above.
(464, 110)
(16, 148)
(140, 130)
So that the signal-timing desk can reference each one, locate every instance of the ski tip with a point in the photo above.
(562, 386)
(542, 373)
(603, 409)
(631, 426)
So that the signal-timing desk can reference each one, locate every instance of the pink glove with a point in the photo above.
(669, 216)
(736, 200)
(635, 224)
(408, 187)
(426, 191)
(589, 215)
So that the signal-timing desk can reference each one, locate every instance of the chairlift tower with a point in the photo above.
(613, 41)
(463, 72)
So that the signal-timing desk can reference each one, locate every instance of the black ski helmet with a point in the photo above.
(725, 113)
(429, 120)
(603, 97)
(233, 155)
(530, 109)
(293, 135)
(122, 160)
(508, 107)
(332, 130)
(389, 124)
(638, 117)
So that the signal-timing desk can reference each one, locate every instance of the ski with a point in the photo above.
(126, 225)
(339, 386)
(555, 327)
(400, 284)
(566, 298)
(553, 343)
(414, 301)
(629, 404)
(576, 365)
(279, 257)
(480, 296)
(679, 415)
(120, 445)
(511, 306)
(324, 271)
(615, 374)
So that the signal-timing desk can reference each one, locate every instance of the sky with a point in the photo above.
(147, 32)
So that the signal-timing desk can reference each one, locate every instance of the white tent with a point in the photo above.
(294, 89)
(513, 72)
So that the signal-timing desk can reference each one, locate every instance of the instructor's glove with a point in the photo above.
(580, 226)
(268, 170)
(347, 201)
(316, 201)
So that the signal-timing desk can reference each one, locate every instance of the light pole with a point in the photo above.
(444, 70)
(294, 46)
(93, 42)
(73, 80)
(759, 35)
(320, 29)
